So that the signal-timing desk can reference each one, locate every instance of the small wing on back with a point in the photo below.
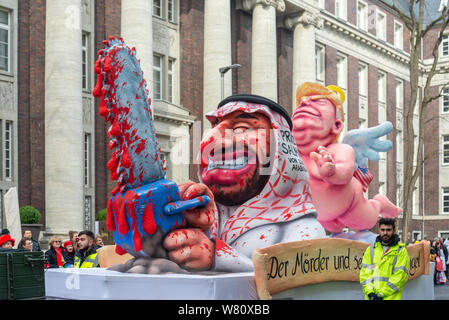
(367, 145)
(125, 105)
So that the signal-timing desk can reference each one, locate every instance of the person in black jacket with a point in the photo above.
(56, 255)
(70, 252)
(29, 234)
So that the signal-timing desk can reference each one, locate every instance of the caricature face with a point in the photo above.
(315, 123)
(233, 153)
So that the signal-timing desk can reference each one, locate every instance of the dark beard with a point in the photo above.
(252, 188)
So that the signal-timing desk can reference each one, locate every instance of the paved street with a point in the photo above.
(442, 292)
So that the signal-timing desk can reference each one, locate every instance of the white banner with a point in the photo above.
(12, 215)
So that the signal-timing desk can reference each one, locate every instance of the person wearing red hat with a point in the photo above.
(6, 241)
(70, 251)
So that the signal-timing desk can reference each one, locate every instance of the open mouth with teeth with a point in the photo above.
(228, 168)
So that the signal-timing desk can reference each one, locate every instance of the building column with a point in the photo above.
(264, 46)
(63, 117)
(217, 53)
(137, 31)
(303, 26)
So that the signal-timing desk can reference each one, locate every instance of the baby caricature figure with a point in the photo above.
(337, 193)
(251, 168)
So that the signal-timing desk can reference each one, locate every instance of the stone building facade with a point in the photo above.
(54, 144)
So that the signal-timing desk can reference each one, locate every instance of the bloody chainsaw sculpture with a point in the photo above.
(143, 200)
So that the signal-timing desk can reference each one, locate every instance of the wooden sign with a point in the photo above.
(288, 265)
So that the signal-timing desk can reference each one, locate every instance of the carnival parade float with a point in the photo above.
(254, 227)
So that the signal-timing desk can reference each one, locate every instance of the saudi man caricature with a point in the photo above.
(250, 167)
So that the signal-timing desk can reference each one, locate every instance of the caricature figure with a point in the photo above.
(251, 167)
(336, 192)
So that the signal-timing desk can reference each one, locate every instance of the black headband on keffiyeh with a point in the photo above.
(252, 98)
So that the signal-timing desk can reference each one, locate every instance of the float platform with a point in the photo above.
(102, 284)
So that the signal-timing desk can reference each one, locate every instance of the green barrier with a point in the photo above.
(22, 275)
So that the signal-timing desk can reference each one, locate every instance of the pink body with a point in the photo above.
(337, 194)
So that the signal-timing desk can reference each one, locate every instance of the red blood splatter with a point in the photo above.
(99, 85)
(113, 162)
(123, 226)
(126, 159)
(110, 223)
(119, 250)
(141, 146)
(222, 247)
(107, 64)
(137, 240)
(103, 110)
(148, 223)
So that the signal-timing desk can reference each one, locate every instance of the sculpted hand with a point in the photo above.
(201, 217)
(324, 162)
(190, 248)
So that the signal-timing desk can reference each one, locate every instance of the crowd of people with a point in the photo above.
(79, 251)
(439, 250)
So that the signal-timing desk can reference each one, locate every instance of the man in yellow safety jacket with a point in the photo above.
(385, 265)
(87, 256)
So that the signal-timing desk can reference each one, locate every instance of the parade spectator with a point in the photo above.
(70, 252)
(56, 255)
(87, 256)
(5, 231)
(385, 265)
(29, 235)
(73, 237)
(446, 246)
(26, 244)
(409, 240)
(99, 241)
(6, 241)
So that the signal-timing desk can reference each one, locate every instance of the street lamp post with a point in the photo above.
(223, 70)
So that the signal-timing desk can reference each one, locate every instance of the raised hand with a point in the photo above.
(324, 162)
(200, 217)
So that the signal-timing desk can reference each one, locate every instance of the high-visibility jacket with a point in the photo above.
(90, 261)
(385, 273)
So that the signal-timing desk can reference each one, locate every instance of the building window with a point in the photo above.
(170, 79)
(87, 160)
(157, 77)
(445, 200)
(8, 150)
(165, 9)
(362, 16)
(446, 100)
(363, 80)
(381, 87)
(446, 149)
(4, 40)
(398, 35)
(171, 10)
(399, 94)
(321, 4)
(340, 9)
(341, 72)
(416, 236)
(319, 63)
(381, 26)
(445, 46)
(87, 212)
(84, 63)
(157, 8)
